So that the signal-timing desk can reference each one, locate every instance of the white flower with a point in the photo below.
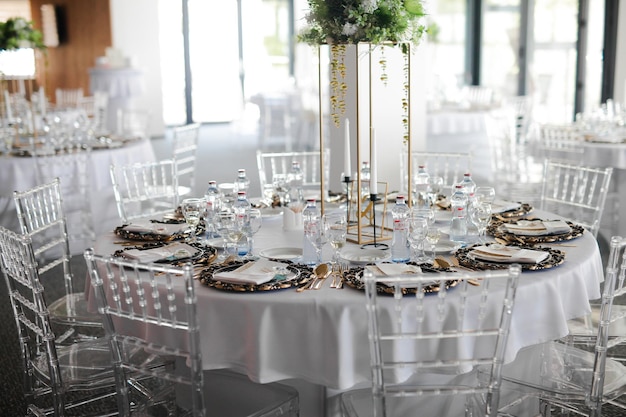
(20, 24)
(369, 5)
(349, 29)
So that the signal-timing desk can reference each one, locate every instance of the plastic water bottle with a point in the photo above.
(421, 187)
(241, 208)
(365, 179)
(458, 223)
(242, 183)
(400, 248)
(469, 187)
(213, 198)
(295, 179)
(311, 218)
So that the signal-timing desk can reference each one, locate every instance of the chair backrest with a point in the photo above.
(270, 163)
(561, 142)
(42, 218)
(68, 97)
(448, 165)
(130, 293)
(185, 146)
(133, 123)
(96, 108)
(456, 329)
(477, 97)
(144, 189)
(30, 312)
(576, 192)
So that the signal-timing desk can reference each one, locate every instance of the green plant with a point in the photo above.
(17, 32)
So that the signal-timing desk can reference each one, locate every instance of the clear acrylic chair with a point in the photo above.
(145, 189)
(518, 175)
(448, 165)
(567, 378)
(561, 143)
(59, 377)
(270, 163)
(185, 146)
(576, 192)
(41, 216)
(162, 297)
(96, 110)
(68, 98)
(425, 349)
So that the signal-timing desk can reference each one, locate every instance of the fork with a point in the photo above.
(343, 268)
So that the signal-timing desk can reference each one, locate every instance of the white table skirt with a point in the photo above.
(20, 174)
(321, 336)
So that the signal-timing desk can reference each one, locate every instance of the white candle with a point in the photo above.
(7, 102)
(373, 164)
(42, 102)
(346, 152)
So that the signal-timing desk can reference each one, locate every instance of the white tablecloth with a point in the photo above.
(20, 174)
(321, 336)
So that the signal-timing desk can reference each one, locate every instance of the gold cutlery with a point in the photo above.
(445, 264)
(319, 270)
(321, 277)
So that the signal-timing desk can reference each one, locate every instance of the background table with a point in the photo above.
(20, 174)
(321, 336)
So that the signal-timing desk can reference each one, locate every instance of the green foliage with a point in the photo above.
(372, 21)
(17, 32)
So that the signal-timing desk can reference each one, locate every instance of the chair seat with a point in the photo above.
(80, 316)
(563, 373)
(586, 327)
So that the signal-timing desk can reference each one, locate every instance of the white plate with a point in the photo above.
(268, 212)
(281, 253)
(445, 246)
(364, 256)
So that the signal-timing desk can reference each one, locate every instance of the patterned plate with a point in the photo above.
(354, 278)
(302, 275)
(204, 256)
(555, 258)
(122, 232)
(496, 230)
(522, 210)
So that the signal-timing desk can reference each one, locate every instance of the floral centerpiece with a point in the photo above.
(17, 32)
(378, 22)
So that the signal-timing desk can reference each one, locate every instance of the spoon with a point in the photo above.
(319, 270)
(321, 275)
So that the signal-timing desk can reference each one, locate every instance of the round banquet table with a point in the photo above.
(321, 336)
(19, 173)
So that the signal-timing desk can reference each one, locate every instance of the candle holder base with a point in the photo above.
(369, 226)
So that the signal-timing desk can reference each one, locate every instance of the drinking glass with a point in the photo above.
(224, 222)
(485, 194)
(481, 216)
(435, 186)
(427, 213)
(336, 228)
(315, 234)
(193, 211)
(281, 187)
(432, 236)
(251, 225)
(213, 205)
(418, 227)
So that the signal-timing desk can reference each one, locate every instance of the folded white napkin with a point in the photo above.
(390, 269)
(537, 227)
(501, 206)
(292, 218)
(170, 252)
(165, 229)
(258, 272)
(508, 254)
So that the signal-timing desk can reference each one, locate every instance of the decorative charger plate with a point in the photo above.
(298, 275)
(204, 255)
(555, 258)
(354, 278)
(497, 230)
(124, 233)
(522, 210)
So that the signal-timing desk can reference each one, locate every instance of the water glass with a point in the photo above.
(432, 236)
(418, 228)
(316, 235)
(336, 229)
(481, 216)
(485, 194)
(193, 211)
(251, 225)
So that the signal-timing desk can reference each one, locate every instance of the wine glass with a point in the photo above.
(418, 227)
(336, 228)
(315, 234)
(427, 213)
(193, 211)
(213, 206)
(432, 236)
(281, 187)
(251, 225)
(481, 216)
(224, 222)
(485, 194)
(435, 187)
